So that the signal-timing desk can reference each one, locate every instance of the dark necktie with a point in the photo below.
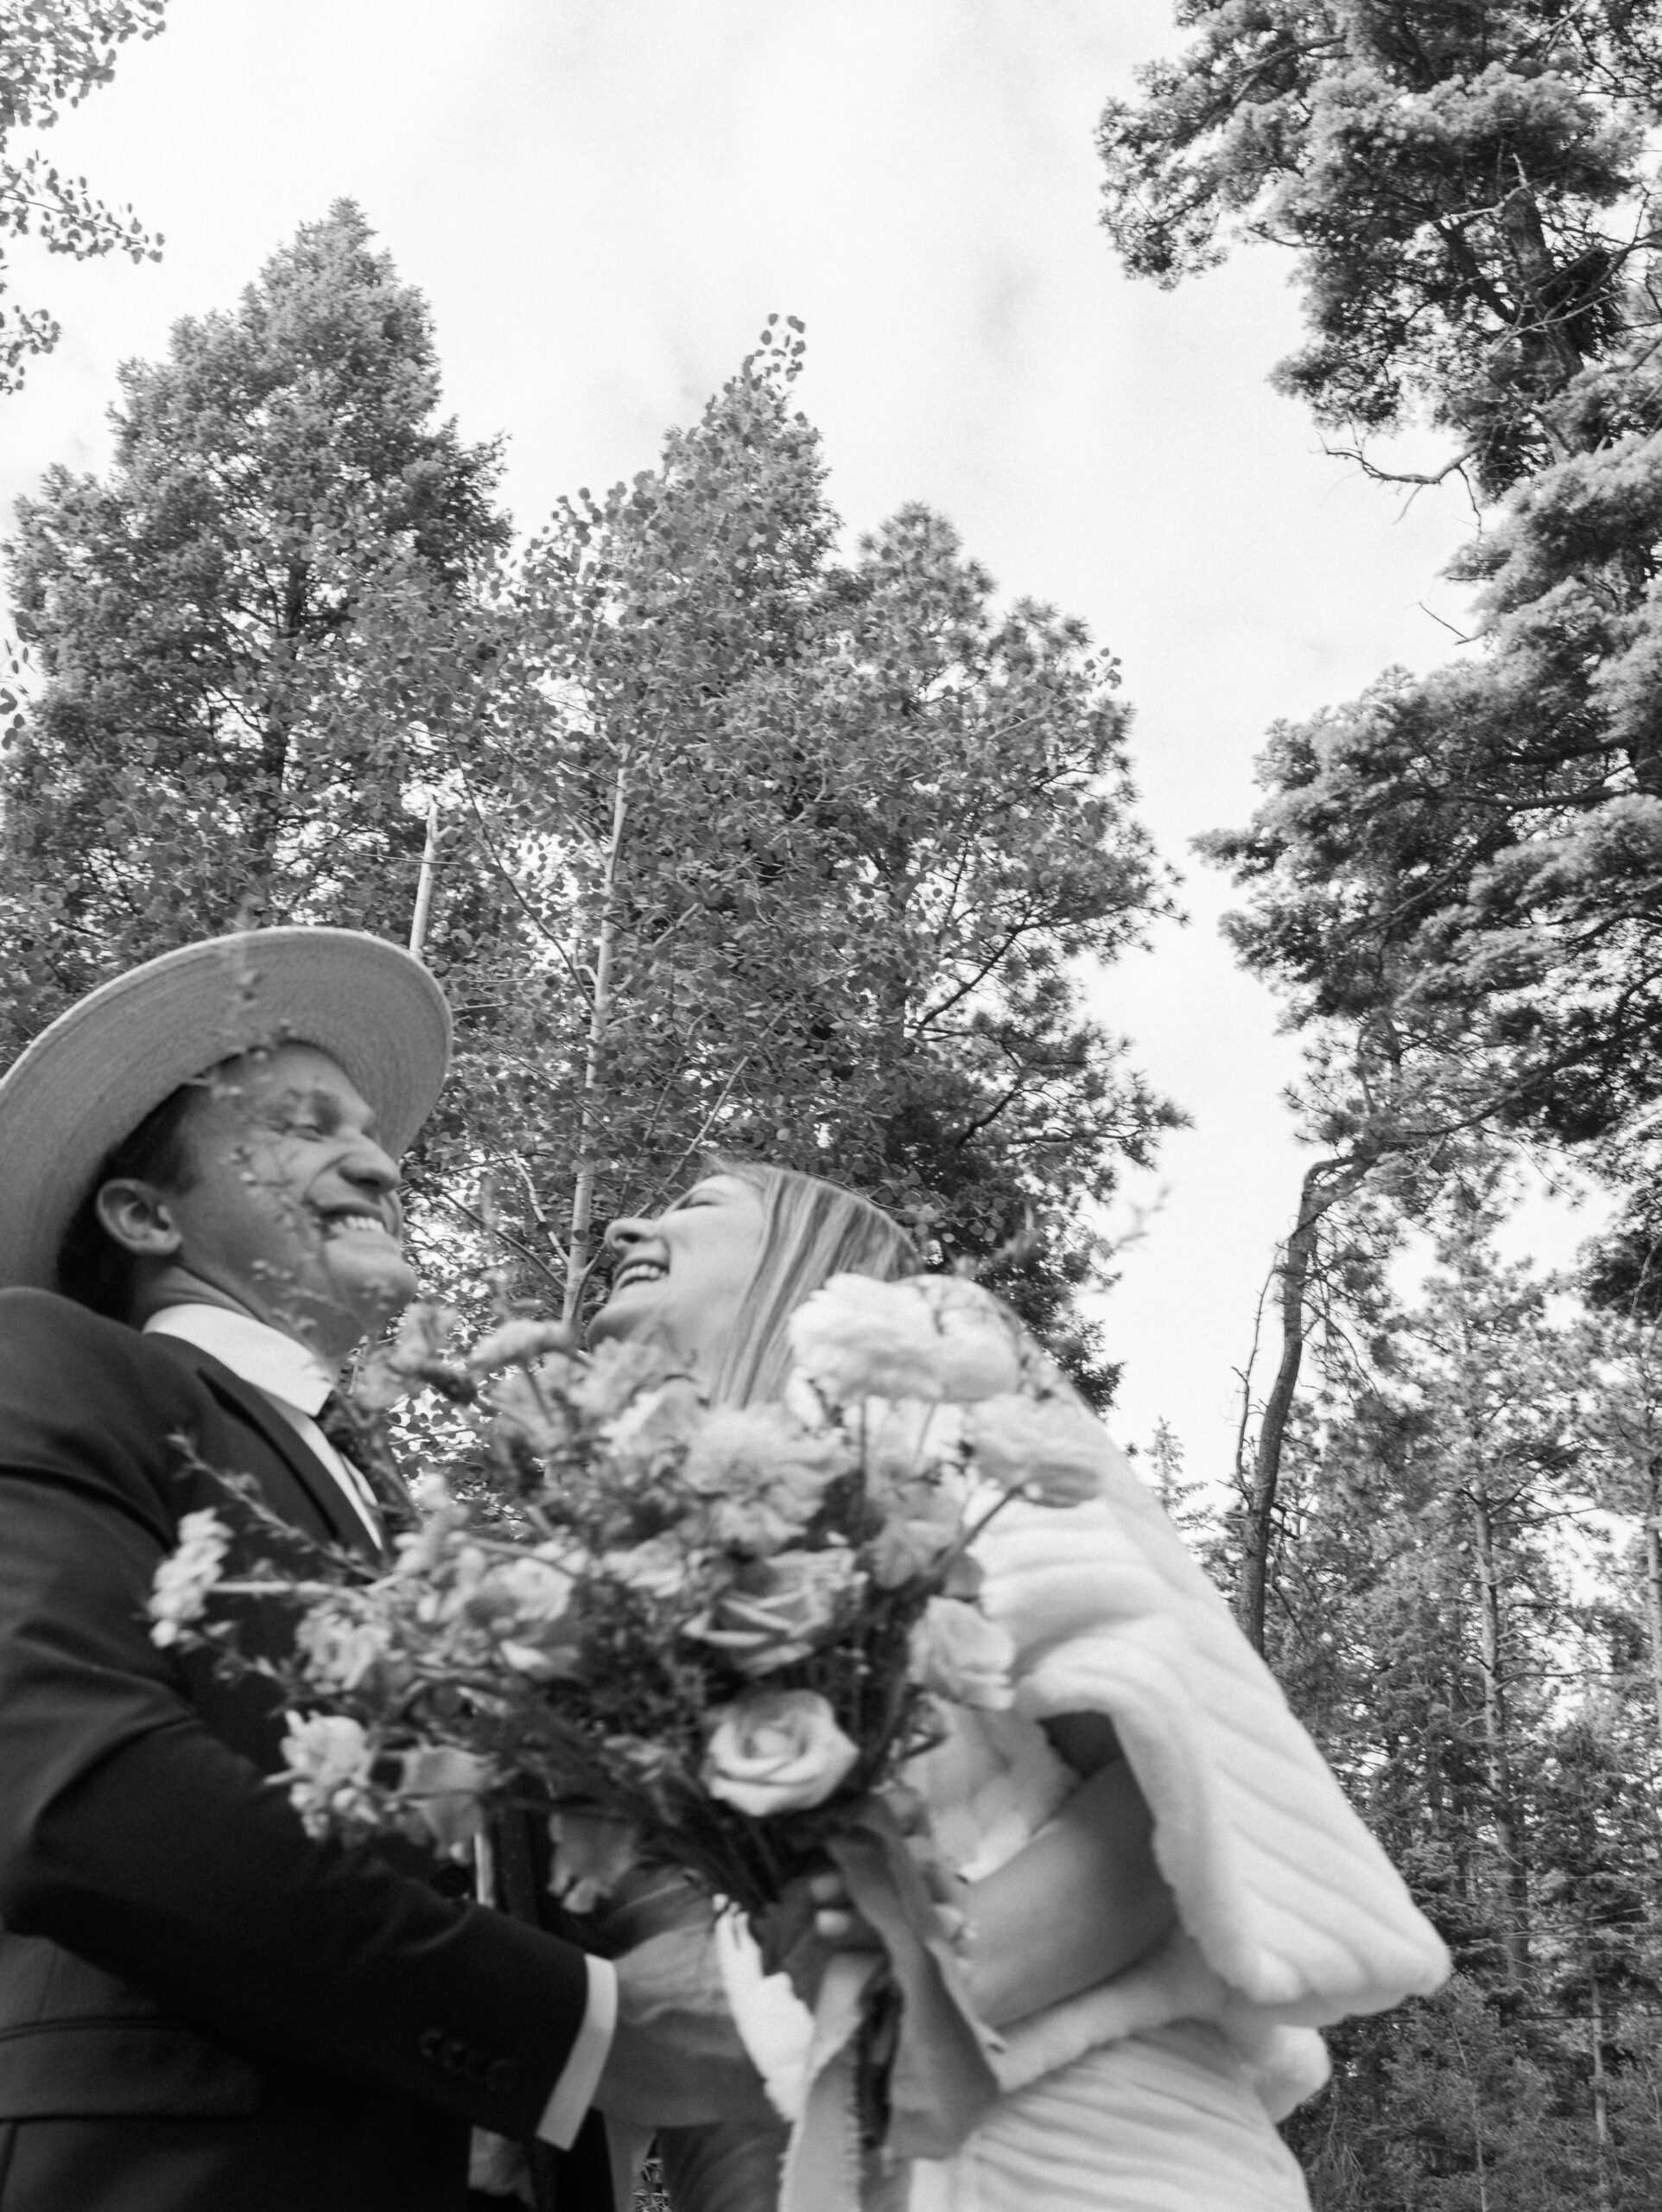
(356, 1443)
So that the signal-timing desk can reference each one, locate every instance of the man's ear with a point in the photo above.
(137, 1217)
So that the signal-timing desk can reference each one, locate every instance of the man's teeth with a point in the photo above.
(357, 1224)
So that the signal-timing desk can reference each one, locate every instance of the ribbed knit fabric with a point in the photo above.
(1165, 2122)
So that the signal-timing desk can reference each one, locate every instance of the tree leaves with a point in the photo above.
(53, 53)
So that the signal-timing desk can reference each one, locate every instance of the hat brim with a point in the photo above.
(89, 1080)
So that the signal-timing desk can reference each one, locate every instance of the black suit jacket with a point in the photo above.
(202, 2010)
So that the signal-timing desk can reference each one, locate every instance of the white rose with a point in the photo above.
(535, 1591)
(777, 1611)
(776, 1751)
(442, 1784)
(1052, 1450)
(961, 1654)
(931, 1337)
(657, 1569)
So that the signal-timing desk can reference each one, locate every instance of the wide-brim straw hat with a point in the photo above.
(89, 1080)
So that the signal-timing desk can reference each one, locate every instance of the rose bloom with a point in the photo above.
(931, 1337)
(537, 1590)
(524, 1604)
(778, 1610)
(658, 1568)
(1052, 1450)
(441, 1783)
(961, 1654)
(776, 1751)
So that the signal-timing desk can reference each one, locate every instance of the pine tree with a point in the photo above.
(803, 854)
(738, 844)
(1455, 1620)
(212, 744)
(1452, 880)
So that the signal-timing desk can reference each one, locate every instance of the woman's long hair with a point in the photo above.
(810, 1231)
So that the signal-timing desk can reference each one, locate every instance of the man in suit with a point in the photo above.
(201, 2008)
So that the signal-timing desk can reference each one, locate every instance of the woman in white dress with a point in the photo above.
(1168, 1892)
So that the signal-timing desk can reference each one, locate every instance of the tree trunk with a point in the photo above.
(1653, 1584)
(1546, 339)
(1324, 1184)
(1601, 2109)
(1508, 1825)
(1479, 2148)
(277, 724)
(578, 1259)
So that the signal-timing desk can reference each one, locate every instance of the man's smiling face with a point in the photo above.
(292, 1209)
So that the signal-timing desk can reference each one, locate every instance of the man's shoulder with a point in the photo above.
(31, 1318)
(50, 1310)
(52, 1346)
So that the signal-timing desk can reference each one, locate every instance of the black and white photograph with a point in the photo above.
(831, 1106)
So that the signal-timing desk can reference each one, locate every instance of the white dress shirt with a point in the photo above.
(295, 1383)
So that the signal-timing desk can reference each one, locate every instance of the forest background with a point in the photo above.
(750, 827)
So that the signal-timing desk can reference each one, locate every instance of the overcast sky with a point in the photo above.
(603, 200)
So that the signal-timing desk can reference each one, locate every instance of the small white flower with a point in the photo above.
(328, 1757)
(179, 1591)
(341, 1642)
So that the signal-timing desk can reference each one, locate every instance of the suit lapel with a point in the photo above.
(249, 1406)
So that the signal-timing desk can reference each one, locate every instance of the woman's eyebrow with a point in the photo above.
(698, 1190)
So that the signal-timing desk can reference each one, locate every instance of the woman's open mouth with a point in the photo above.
(633, 1272)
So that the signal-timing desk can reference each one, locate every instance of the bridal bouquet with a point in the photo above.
(702, 1638)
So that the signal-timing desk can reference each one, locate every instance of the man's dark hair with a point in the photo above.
(93, 1268)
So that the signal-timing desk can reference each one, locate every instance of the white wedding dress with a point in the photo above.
(1156, 2091)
